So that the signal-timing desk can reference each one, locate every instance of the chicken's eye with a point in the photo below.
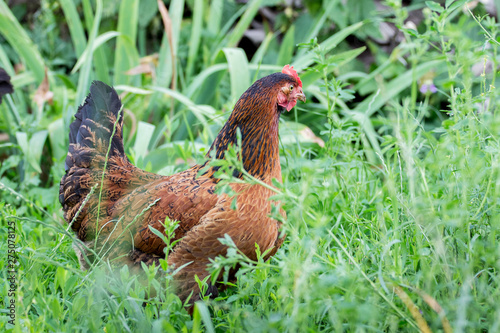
(291, 87)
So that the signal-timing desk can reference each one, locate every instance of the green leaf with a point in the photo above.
(144, 133)
(199, 79)
(33, 148)
(307, 59)
(434, 6)
(74, 25)
(60, 278)
(14, 33)
(86, 55)
(238, 71)
(455, 5)
(292, 133)
(205, 316)
(85, 72)
(335, 61)
(345, 57)
(261, 51)
(320, 24)
(287, 47)
(126, 55)
(56, 134)
(200, 111)
(374, 102)
(215, 16)
(22, 141)
(37, 142)
(244, 22)
(167, 58)
(194, 40)
(362, 113)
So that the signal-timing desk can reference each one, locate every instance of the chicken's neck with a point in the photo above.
(259, 141)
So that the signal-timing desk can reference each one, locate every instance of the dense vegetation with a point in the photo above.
(390, 171)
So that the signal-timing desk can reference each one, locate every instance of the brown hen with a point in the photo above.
(111, 211)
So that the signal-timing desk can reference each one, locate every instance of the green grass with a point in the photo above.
(392, 226)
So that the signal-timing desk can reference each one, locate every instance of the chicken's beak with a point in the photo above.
(301, 97)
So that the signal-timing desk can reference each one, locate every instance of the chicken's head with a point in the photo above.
(291, 91)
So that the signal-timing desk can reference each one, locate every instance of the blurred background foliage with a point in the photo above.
(390, 169)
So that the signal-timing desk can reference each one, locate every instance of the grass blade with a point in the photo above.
(261, 51)
(238, 71)
(307, 59)
(202, 112)
(84, 77)
(287, 47)
(330, 6)
(243, 23)
(194, 41)
(215, 16)
(142, 139)
(19, 40)
(375, 101)
(98, 42)
(56, 132)
(74, 25)
(126, 55)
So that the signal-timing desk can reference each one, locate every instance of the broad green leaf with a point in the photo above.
(37, 142)
(200, 111)
(60, 278)
(22, 141)
(57, 143)
(101, 39)
(456, 4)
(238, 71)
(434, 6)
(167, 58)
(287, 47)
(176, 10)
(86, 70)
(14, 33)
(5, 62)
(32, 148)
(101, 65)
(74, 25)
(23, 79)
(126, 55)
(199, 79)
(205, 317)
(148, 9)
(194, 40)
(296, 133)
(215, 16)
(144, 133)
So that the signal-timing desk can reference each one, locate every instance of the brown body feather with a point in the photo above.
(115, 220)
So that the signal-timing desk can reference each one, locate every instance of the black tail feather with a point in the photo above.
(95, 149)
(93, 125)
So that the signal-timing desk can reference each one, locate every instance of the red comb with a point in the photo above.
(290, 71)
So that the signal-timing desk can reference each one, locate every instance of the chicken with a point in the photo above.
(112, 211)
